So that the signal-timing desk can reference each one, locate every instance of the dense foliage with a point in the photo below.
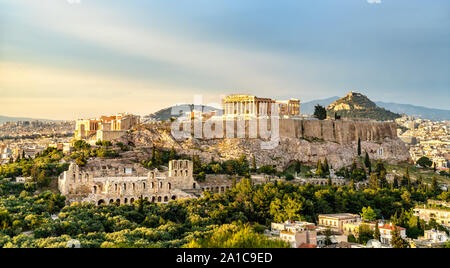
(211, 221)
(41, 169)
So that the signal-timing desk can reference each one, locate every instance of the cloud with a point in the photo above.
(374, 1)
(234, 67)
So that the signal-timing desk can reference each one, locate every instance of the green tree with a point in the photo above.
(328, 235)
(326, 168)
(233, 236)
(367, 163)
(320, 172)
(424, 162)
(377, 234)
(359, 146)
(352, 239)
(173, 154)
(397, 241)
(253, 164)
(368, 214)
(42, 179)
(435, 185)
(289, 177)
(320, 112)
(365, 234)
(395, 183)
(298, 166)
(374, 181)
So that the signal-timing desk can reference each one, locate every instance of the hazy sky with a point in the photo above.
(68, 59)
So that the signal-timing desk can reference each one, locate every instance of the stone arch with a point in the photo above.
(146, 198)
(131, 200)
(217, 189)
(115, 187)
(94, 189)
(101, 202)
(159, 199)
(169, 186)
(174, 197)
(153, 199)
(152, 185)
(160, 185)
(133, 186)
(176, 173)
(118, 201)
(125, 201)
(222, 189)
(143, 185)
(111, 201)
(194, 185)
(166, 199)
(124, 186)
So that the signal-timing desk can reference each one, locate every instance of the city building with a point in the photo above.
(337, 221)
(296, 233)
(297, 239)
(440, 214)
(386, 233)
(431, 239)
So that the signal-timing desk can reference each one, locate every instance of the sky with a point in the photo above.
(70, 59)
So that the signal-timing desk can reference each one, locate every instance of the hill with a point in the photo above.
(356, 105)
(177, 111)
(411, 110)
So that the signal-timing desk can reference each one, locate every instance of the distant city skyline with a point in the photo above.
(69, 59)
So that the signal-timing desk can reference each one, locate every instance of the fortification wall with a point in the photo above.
(339, 131)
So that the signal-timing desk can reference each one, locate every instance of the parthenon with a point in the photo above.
(252, 106)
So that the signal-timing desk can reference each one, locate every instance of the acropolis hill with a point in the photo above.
(305, 140)
(237, 131)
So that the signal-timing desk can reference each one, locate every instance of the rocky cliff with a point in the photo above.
(312, 140)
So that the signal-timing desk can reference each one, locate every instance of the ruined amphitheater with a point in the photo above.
(110, 182)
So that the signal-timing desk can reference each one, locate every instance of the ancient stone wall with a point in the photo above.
(339, 131)
(125, 184)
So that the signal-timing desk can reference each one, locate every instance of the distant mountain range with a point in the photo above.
(4, 119)
(176, 111)
(416, 111)
(411, 110)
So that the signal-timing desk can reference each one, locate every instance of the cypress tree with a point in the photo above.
(367, 163)
(374, 181)
(326, 168)
(153, 154)
(395, 183)
(359, 146)
(319, 171)
(397, 241)
(377, 233)
(434, 185)
(298, 166)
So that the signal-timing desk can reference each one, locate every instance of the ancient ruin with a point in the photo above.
(124, 184)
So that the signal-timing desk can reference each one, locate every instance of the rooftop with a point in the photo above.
(339, 216)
